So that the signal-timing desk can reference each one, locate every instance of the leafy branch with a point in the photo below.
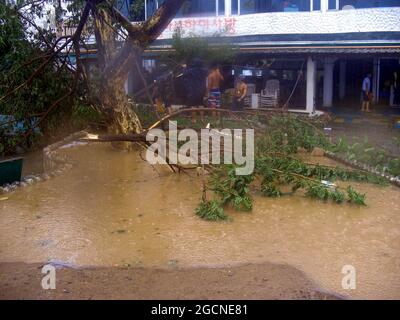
(278, 168)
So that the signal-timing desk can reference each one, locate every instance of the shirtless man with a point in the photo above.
(240, 93)
(214, 80)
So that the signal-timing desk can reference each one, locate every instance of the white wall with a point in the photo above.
(359, 20)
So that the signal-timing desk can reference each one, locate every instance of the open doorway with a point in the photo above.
(355, 71)
(389, 84)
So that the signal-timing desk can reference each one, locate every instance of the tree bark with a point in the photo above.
(113, 99)
(115, 63)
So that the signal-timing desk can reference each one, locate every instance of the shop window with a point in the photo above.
(255, 6)
(247, 73)
(316, 5)
(198, 8)
(258, 6)
(149, 65)
(333, 5)
(290, 5)
(234, 6)
(221, 7)
(152, 6)
(360, 4)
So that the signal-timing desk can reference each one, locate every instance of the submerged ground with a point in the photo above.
(123, 229)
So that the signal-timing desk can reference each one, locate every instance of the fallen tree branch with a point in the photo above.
(146, 87)
(52, 107)
(189, 110)
(133, 137)
(76, 35)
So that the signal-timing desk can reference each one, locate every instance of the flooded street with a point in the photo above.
(114, 209)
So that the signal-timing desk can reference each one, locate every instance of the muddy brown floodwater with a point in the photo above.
(114, 209)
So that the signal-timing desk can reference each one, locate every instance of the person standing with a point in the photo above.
(191, 86)
(214, 81)
(239, 94)
(366, 93)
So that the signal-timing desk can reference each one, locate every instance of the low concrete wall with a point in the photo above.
(54, 163)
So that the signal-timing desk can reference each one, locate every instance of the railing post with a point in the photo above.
(324, 5)
(228, 7)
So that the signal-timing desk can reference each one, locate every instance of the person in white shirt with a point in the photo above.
(366, 92)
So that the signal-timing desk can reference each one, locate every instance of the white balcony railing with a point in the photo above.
(312, 22)
(203, 8)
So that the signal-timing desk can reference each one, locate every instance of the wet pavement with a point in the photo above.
(114, 209)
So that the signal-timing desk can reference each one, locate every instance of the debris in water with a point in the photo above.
(173, 263)
(119, 231)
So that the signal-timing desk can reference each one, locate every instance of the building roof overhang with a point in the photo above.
(348, 43)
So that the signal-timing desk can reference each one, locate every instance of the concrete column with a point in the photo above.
(329, 63)
(324, 5)
(375, 78)
(311, 84)
(228, 7)
(342, 79)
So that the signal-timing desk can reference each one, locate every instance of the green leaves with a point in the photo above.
(83, 113)
(317, 191)
(269, 190)
(211, 210)
(365, 152)
(278, 167)
(22, 51)
(282, 169)
(287, 133)
(189, 46)
(337, 196)
(355, 197)
(231, 188)
(394, 166)
(243, 203)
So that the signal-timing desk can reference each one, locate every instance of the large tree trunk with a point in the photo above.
(113, 98)
(115, 63)
(123, 118)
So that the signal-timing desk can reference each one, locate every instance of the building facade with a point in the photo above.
(318, 50)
